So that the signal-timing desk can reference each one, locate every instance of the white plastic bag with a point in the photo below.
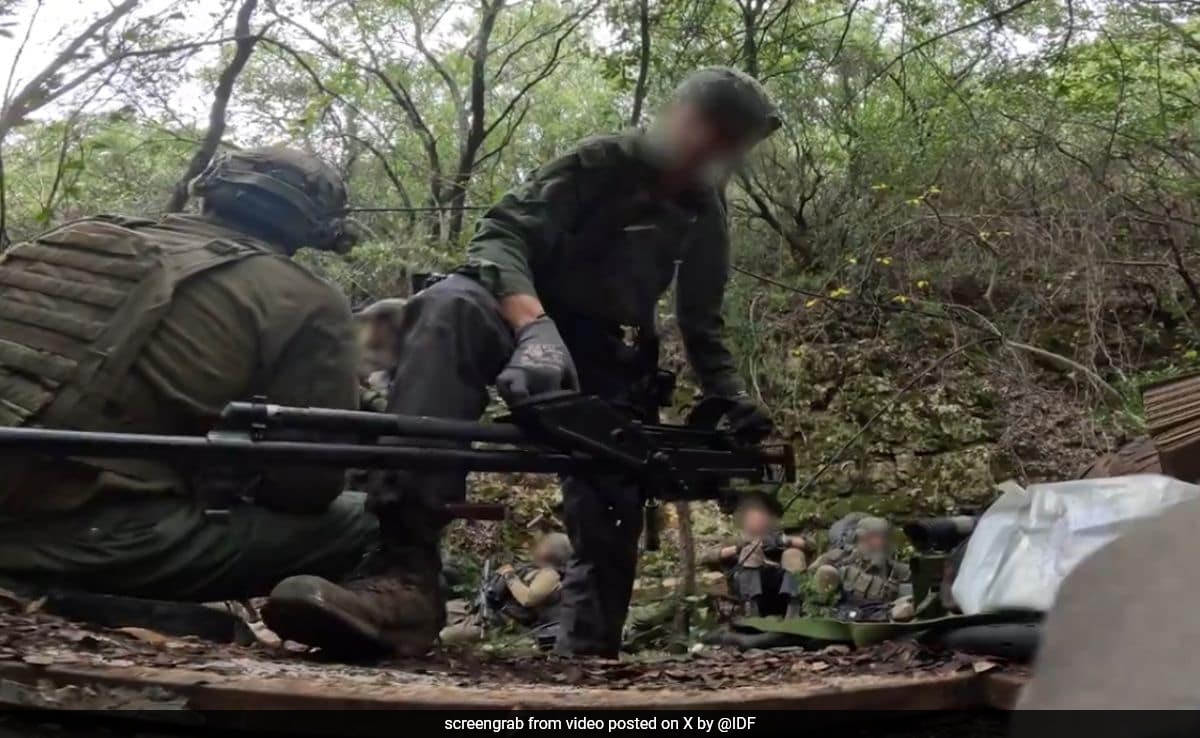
(1030, 539)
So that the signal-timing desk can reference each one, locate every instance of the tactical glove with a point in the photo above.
(748, 420)
(540, 364)
(775, 544)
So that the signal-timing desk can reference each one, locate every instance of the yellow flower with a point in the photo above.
(922, 284)
(797, 351)
(900, 299)
(1191, 354)
(852, 260)
(840, 292)
(885, 260)
(813, 302)
(914, 201)
(933, 190)
(878, 187)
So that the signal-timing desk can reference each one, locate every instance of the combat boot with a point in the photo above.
(394, 606)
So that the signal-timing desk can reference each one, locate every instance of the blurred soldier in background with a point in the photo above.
(378, 326)
(869, 582)
(761, 566)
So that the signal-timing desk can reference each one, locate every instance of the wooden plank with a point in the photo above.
(139, 687)
(1001, 691)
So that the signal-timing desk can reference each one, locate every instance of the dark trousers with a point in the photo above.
(454, 342)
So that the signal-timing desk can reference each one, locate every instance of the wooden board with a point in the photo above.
(1173, 420)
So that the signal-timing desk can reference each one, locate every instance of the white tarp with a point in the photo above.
(1030, 539)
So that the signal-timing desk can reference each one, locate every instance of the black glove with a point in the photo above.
(748, 420)
(541, 363)
(775, 544)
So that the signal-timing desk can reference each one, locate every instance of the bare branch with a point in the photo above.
(244, 47)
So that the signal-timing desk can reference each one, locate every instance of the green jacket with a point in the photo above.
(140, 326)
(589, 235)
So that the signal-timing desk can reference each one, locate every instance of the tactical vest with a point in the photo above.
(866, 583)
(546, 612)
(77, 305)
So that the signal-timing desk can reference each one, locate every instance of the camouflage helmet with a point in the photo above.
(733, 98)
(291, 196)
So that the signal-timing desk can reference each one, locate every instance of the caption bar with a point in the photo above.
(691, 723)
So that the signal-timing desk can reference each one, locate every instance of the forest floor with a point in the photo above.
(35, 646)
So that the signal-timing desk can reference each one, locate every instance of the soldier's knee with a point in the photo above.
(793, 560)
(456, 295)
(457, 306)
(827, 578)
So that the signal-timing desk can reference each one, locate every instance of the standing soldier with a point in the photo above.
(561, 271)
(132, 325)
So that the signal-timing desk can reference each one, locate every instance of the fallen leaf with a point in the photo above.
(35, 606)
(39, 659)
(154, 638)
(819, 666)
(981, 666)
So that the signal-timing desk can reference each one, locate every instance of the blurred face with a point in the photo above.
(757, 521)
(543, 553)
(873, 542)
(695, 147)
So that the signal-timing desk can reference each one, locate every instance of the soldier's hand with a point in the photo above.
(748, 419)
(540, 364)
(775, 544)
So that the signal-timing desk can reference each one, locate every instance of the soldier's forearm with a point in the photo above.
(521, 310)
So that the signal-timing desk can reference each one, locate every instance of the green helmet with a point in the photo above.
(733, 98)
(289, 195)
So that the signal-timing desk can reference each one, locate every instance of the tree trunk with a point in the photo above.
(749, 39)
(470, 146)
(639, 89)
(687, 568)
(244, 47)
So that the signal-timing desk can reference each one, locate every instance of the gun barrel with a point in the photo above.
(939, 534)
(234, 449)
(244, 416)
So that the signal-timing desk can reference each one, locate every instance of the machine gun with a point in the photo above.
(560, 434)
(936, 542)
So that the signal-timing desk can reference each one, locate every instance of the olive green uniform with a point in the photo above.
(137, 326)
(591, 236)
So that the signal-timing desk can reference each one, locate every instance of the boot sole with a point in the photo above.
(312, 623)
